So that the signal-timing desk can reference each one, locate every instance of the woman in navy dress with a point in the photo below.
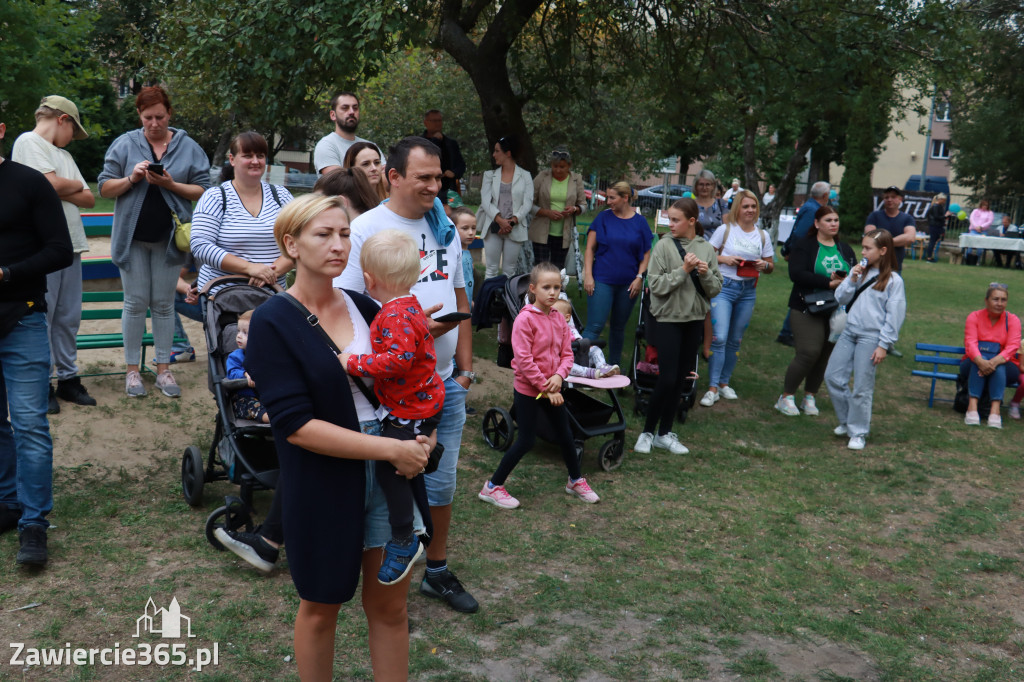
(330, 510)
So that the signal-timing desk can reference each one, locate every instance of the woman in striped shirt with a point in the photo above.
(233, 224)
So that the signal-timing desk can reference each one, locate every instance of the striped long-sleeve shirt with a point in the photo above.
(217, 232)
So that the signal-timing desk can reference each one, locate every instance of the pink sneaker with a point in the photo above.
(1014, 410)
(582, 490)
(497, 496)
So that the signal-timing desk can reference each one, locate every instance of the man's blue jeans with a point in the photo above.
(441, 483)
(193, 311)
(608, 300)
(26, 450)
(731, 311)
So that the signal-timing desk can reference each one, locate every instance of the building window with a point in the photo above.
(942, 110)
(940, 149)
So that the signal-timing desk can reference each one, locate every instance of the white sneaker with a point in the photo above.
(709, 399)
(972, 418)
(786, 404)
(840, 430)
(670, 442)
(995, 421)
(728, 393)
(643, 443)
(856, 443)
(809, 406)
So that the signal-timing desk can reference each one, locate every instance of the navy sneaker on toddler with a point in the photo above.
(398, 560)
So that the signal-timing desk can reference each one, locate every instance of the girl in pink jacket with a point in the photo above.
(543, 358)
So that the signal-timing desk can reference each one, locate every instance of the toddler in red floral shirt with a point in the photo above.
(402, 366)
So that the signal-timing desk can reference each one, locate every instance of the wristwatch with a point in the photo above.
(466, 373)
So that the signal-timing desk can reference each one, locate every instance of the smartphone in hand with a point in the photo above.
(453, 317)
(156, 168)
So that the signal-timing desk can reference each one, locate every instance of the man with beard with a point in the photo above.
(329, 153)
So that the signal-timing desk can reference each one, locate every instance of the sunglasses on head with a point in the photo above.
(998, 285)
(560, 155)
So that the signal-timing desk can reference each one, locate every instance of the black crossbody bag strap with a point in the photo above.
(693, 273)
(860, 291)
(314, 322)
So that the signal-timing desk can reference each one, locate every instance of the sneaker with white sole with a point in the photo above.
(398, 560)
(786, 404)
(972, 418)
(728, 393)
(856, 443)
(1014, 410)
(995, 421)
(670, 442)
(840, 430)
(582, 490)
(809, 406)
(709, 399)
(497, 496)
(167, 385)
(133, 385)
(643, 443)
(608, 371)
(251, 547)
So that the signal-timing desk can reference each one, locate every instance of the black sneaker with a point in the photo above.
(73, 391)
(447, 587)
(53, 407)
(470, 411)
(8, 518)
(250, 547)
(785, 339)
(33, 546)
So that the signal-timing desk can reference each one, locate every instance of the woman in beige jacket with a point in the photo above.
(558, 197)
(506, 200)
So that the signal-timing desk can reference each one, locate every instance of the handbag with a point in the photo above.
(989, 349)
(837, 322)
(182, 234)
(820, 302)
(434, 458)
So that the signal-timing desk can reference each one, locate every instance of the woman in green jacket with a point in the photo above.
(683, 278)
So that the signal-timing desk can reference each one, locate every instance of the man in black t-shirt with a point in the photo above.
(34, 242)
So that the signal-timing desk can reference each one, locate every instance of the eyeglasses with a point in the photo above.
(560, 155)
(998, 285)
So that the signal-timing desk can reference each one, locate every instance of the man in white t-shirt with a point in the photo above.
(414, 172)
(57, 123)
(329, 153)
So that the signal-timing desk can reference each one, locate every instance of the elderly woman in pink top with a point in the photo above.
(991, 342)
(543, 357)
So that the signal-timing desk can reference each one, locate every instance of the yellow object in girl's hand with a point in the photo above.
(541, 395)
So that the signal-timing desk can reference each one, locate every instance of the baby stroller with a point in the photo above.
(589, 417)
(645, 364)
(242, 451)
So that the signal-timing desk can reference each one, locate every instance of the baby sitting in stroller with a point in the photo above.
(599, 367)
(402, 365)
(244, 403)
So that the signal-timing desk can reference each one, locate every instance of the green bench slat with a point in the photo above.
(103, 297)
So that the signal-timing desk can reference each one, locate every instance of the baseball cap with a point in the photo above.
(893, 188)
(66, 106)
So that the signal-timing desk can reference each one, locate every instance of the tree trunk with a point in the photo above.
(223, 143)
(750, 179)
(486, 64)
(793, 168)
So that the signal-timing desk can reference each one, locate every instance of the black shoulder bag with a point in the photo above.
(693, 273)
(435, 457)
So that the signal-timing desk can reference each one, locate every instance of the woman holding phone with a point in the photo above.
(818, 262)
(153, 174)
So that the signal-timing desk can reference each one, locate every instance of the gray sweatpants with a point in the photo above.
(852, 355)
(149, 284)
(64, 316)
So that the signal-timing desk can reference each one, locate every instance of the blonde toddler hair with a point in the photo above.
(393, 258)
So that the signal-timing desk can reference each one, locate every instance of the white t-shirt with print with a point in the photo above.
(440, 271)
(747, 245)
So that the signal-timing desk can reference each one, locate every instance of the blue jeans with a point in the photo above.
(731, 311)
(26, 450)
(1006, 373)
(193, 311)
(441, 483)
(606, 300)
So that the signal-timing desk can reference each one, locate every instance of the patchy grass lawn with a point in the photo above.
(769, 553)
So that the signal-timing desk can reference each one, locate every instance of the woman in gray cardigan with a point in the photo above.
(558, 197)
(506, 199)
(142, 239)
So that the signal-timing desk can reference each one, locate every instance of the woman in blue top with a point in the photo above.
(618, 249)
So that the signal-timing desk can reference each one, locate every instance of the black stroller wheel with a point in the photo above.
(610, 455)
(193, 476)
(232, 516)
(498, 428)
(682, 413)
